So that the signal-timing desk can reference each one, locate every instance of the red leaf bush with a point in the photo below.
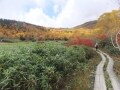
(81, 41)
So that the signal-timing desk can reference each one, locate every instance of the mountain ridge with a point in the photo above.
(87, 25)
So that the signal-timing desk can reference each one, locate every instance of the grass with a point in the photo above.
(84, 79)
(117, 65)
(107, 78)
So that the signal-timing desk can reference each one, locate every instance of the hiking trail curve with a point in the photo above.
(100, 83)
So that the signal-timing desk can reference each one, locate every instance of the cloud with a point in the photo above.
(38, 17)
(13, 9)
(55, 13)
(59, 5)
(56, 9)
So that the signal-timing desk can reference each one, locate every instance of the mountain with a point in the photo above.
(17, 25)
(88, 25)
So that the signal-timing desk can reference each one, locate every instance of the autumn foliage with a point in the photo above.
(81, 41)
(106, 25)
(102, 37)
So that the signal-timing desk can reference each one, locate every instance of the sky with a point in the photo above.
(55, 13)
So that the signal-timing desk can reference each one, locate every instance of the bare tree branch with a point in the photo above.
(113, 42)
(117, 40)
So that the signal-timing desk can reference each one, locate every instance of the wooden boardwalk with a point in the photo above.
(99, 76)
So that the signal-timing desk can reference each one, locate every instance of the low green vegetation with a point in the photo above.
(41, 66)
(117, 66)
(107, 46)
(107, 78)
(83, 79)
(113, 51)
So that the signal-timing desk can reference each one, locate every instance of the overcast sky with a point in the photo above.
(55, 13)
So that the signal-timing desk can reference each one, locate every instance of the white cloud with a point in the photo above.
(13, 9)
(56, 9)
(37, 16)
(40, 3)
(69, 12)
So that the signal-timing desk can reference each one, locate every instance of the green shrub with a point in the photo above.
(41, 67)
(113, 50)
(104, 43)
(89, 52)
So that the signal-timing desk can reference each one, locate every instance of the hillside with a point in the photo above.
(87, 25)
(20, 30)
(109, 22)
(25, 31)
(17, 25)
